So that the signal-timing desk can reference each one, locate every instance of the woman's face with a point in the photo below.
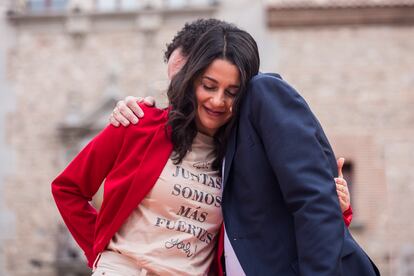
(215, 92)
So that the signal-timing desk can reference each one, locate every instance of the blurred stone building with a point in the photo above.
(64, 63)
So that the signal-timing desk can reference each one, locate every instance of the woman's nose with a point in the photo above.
(218, 98)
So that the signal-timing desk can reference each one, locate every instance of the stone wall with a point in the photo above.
(7, 218)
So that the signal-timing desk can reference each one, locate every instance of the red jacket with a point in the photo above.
(130, 161)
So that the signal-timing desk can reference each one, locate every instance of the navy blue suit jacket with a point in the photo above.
(280, 205)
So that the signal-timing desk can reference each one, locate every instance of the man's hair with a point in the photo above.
(223, 41)
(187, 37)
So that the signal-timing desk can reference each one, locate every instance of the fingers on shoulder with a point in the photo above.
(341, 181)
(113, 121)
(132, 107)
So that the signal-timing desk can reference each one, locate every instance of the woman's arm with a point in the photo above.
(74, 187)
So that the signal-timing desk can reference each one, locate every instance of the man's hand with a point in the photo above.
(128, 111)
(342, 187)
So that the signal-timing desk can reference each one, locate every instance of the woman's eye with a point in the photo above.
(209, 88)
(231, 94)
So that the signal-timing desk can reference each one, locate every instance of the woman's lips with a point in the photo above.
(213, 112)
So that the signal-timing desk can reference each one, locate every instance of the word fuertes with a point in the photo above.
(183, 226)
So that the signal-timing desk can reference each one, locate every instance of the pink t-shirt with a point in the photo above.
(173, 230)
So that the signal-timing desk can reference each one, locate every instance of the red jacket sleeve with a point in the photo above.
(347, 216)
(74, 187)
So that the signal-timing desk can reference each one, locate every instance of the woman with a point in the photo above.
(161, 212)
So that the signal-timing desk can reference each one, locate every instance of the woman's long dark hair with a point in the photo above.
(224, 41)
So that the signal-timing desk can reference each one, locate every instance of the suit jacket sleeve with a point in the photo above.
(303, 163)
(74, 187)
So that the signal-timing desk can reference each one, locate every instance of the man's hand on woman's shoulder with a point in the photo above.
(128, 111)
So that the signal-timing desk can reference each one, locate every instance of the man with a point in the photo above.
(280, 208)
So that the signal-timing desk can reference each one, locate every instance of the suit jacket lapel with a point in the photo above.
(231, 149)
